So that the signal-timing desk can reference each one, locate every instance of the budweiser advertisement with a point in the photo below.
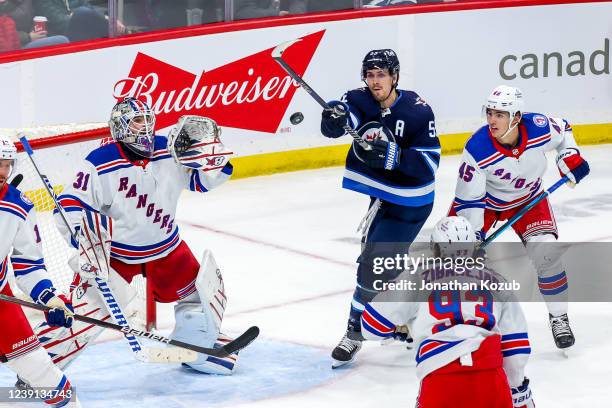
(251, 93)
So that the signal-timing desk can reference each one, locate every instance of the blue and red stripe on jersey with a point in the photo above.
(499, 204)
(515, 343)
(137, 253)
(538, 141)
(3, 272)
(553, 285)
(61, 397)
(459, 204)
(430, 348)
(23, 267)
(375, 323)
(14, 209)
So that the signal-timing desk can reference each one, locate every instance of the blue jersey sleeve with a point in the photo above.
(421, 158)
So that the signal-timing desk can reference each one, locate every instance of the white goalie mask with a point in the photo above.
(453, 236)
(8, 151)
(132, 123)
(195, 142)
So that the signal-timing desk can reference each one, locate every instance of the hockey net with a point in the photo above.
(58, 150)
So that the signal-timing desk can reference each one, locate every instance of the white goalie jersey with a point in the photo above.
(140, 197)
(494, 177)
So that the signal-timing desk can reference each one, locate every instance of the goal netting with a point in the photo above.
(58, 150)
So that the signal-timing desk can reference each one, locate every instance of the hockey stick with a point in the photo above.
(524, 210)
(141, 353)
(233, 346)
(105, 291)
(277, 54)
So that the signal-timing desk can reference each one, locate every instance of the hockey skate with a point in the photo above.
(345, 351)
(561, 331)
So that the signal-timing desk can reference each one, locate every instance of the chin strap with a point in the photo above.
(510, 129)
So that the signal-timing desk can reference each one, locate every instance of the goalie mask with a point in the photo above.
(132, 123)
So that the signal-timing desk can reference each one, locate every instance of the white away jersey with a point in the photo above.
(492, 176)
(140, 198)
(19, 232)
(451, 323)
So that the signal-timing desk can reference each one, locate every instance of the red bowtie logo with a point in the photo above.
(252, 93)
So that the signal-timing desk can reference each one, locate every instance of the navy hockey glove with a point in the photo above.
(384, 155)
(521, 395)
(61, 313)
(572, 165)
(333, 120)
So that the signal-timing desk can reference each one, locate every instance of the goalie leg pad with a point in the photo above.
(65, 345)
(198, 318)
(545, 254)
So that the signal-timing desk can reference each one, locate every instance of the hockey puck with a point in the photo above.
(296, 118)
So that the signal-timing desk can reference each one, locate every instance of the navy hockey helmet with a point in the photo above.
(380, 59)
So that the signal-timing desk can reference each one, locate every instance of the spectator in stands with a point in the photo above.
(267, 8)
(327, 5)
(169, 14)
(76, 19)
(20, 11)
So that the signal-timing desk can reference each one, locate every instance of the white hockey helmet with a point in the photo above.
(139, 136)
(453, 236)
(8, 151)
(506, 99)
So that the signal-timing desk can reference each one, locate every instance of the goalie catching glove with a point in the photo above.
(194, 142)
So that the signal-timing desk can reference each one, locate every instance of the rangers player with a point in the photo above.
(136, 182)
(502, 169)
(19, 347)
(472, 344)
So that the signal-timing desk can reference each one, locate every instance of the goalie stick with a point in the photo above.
(144, 354)
(277, 55)
(232, 347)
(524, 211)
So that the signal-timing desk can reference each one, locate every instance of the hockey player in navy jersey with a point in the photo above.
(501, 172)
(472, 344)
(21, 248)
(136, 181)
(397, 172)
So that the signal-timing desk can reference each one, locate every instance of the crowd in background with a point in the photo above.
(76, 20)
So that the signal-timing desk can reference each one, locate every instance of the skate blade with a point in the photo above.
(338, 363)
(567, 352)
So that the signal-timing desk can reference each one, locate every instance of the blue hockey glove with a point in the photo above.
(521, 395)
(384, 155)
(333, 120)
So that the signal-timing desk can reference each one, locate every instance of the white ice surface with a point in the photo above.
(287, 248)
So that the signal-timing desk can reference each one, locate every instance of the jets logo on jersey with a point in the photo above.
(540, 120)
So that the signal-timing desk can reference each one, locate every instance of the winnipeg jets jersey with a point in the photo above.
(411, 121)
(140, 197)
(451, 323)
(495, 177)
(19, 232)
